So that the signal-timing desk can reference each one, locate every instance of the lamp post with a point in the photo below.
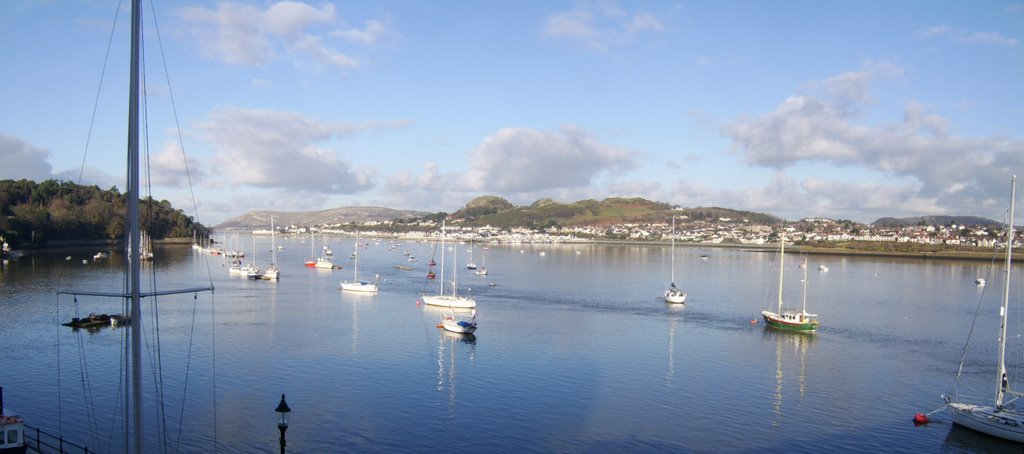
(282, 419)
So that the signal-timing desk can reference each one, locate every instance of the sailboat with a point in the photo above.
(272, 273)
(450, 322)
(323, 261)
(483, 264)
(357, 285)
(674, 294)
(251, 270)
(471, 265)
(790, 320)
(452, 300)
(132, 292)
(1001, 418)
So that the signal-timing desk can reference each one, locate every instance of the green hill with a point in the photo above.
(498, 212)
(936, 220)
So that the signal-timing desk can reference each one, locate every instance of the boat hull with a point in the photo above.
(1004, 424)
(455, 327)
(773, 320)
(458, 302)
(363, 287)
(675, 297)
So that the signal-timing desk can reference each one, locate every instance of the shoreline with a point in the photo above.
(801, 249)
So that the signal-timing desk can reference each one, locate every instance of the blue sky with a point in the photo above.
(848, 110)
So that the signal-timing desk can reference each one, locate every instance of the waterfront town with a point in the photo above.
(724, 231)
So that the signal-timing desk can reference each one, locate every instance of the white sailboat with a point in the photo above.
(674, 294)
(482, 271)
(323, 261)
(272, 273)
(452, 300)
(251, 270)
(455, 324)
(1001, 418)
(471, 265)
(357, 285)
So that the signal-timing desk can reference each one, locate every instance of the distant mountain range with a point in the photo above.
(936, 220)
(344, 215)
(498, 212)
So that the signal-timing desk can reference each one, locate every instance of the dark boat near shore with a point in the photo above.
(95, 321)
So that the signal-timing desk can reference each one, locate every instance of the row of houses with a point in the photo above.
(722, 231)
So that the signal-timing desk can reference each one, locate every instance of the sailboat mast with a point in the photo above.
(1001, 380)
(673, 249)
(805, 286)
(782, 267)
(135, 256)
(355, 265)
(441, 292)
(455, 269)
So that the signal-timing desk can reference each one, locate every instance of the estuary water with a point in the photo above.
(574, 353)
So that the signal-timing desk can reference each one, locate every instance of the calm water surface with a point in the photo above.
(575, 353)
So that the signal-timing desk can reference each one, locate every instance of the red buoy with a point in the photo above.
(920, 418)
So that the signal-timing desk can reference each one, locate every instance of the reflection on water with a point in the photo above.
(787, 346)
(576, 354)
(447, 357)
(675, 312)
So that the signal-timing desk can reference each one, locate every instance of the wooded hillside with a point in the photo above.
(33, 212)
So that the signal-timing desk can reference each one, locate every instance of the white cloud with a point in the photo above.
(525, 160)
(288, 18)
(849, 91)
(314, 48)
(642, 22)
(957, 172)
(274, 149)
(234, 33)
(170, 168)
(22, 160)
(430, 190)
(91, 176)
(600, 27)
(967, 36)
(241, 34)
(373, 33)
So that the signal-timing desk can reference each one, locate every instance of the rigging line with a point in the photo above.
(974, 320)
(120, 387)
(213, 347)
(99, 88)
(157, 359)
(60, 429)
(81, 171)
(83, 376)
(177, 125)
(188, 367)
(195, 207)
(152, 350)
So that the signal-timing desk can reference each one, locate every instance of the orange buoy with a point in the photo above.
(753, 321)
(920, 419)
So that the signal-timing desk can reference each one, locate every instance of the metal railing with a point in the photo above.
(44, 442)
